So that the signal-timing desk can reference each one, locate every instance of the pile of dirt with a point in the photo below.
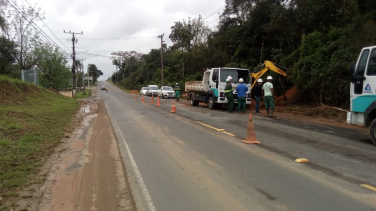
(291, 97)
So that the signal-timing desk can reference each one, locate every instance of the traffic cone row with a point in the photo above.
(173, 107)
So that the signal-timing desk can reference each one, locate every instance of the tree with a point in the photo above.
(94, 72)
(21, 31)
(53, 69)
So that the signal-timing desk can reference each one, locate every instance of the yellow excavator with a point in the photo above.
(268, 65)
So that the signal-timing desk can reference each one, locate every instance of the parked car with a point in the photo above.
(152, 90)
(166, 92)
(103, 87)
(143, 91)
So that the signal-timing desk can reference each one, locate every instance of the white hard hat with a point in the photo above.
(229, 77)
(176, 83)
(227, 80)
(269, 78)
(259, 80)
(241, 80)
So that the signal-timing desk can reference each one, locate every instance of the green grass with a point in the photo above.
(83, 94)
(32, 122)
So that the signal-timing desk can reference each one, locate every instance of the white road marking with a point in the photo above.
(137, 174)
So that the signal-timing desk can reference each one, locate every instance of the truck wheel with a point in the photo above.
(193, 102)
(211, 103)
(372, 131)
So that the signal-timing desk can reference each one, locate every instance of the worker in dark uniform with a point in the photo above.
(229, 95)
(177, 91)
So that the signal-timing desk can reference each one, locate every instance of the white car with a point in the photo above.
(103, 87)
(166, 92)
(143, 91)
(152, 90)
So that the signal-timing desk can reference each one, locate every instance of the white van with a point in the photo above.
(152, 90)
(103, 87)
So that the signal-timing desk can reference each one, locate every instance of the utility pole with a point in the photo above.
(161, 36)
(82, 71)
(74, 60)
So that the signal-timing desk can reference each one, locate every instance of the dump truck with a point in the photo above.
(363, 91)
(211, 89)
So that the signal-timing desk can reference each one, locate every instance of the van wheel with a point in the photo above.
(372, 131)
(211, 103)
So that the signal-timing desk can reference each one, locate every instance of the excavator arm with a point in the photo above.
(268, 65)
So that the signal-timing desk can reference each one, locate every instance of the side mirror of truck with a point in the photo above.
(352, 71)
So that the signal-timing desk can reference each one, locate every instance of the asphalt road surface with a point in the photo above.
(174, 162)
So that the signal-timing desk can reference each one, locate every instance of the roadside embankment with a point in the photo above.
(32, 122)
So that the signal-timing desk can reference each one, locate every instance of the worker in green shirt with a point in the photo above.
(177, 92)
(229, 95)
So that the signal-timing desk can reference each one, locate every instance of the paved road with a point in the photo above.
(175, 163)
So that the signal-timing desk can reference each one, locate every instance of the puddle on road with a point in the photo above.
(88, 108)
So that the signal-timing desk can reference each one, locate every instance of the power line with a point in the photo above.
(50, 29)
(117, 38)
(214, 12)
(32, 23)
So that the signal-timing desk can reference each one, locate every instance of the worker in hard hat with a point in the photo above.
(241, 89)
(230, 78)
(229, 95)
(258, 94)
(269, 96)
(177, 91)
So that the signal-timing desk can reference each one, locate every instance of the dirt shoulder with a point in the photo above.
(86, 170)
(89, 174)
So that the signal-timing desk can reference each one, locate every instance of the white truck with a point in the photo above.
(211, 89)
(363, 91)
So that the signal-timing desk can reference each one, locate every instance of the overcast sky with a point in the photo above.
(118, 25)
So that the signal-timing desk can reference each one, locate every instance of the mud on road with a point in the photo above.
(89, 174)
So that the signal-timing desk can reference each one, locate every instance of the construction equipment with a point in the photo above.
(268, 65)
(212, 87)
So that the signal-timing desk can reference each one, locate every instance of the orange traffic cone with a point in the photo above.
(135, 96)
(173, 107)
(152, 99)
(143, 99)
(130, 94)
(251, 134)
(158, 102)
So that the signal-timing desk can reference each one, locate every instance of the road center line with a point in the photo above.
(368, 187)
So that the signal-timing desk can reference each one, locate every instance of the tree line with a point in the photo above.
(21, 48)
(315, 39)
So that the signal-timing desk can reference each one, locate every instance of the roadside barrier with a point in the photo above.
(152, 99)
(130, 94)
(173, 107)
(158, 101)
(251, 134)
(143, 99)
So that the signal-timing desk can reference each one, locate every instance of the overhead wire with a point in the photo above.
(33, 24)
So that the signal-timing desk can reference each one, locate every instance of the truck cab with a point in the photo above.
(363, 91)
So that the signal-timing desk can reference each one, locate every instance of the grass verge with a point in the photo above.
(32, 122)
(84, 94)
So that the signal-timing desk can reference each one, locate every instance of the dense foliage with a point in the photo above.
(315, 39)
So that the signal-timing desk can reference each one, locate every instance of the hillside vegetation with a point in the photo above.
(315, 39)
(32, 122)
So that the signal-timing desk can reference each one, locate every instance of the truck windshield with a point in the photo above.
(235, 74)
(153, 88)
